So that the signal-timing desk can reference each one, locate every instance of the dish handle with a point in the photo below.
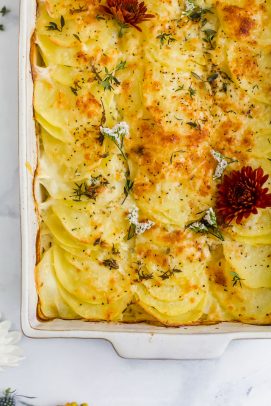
(169, 346)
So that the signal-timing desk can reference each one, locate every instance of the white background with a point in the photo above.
(56, 371)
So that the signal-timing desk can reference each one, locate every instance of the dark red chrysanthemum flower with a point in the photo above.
(128, 12)
(241, 193)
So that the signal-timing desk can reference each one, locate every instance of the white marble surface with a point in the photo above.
(89, 370)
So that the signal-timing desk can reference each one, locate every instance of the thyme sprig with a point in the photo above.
(236, 280)
(54, 26)
(209, 36)
(4, 11)
(111, 263)
(165, 37)
(89, 189)
(194, 12)
(80, 9)
(168, 274)
(207, 224)
(127, 187)
(10, 398)
(109, 81)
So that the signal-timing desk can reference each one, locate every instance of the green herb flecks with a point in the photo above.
(165, 38)
(236, 280)
(181, 87)
(80, 9)
(191, 91)
(89, 189)
(209, 36)
(54, 26)
(75, 88)
(131, 232)
(168, 274)
(196, 76)
(77, 37)
(143, 276)
(207, 224)
(194, 12)
(111, 263)
(109, 81)
(127, 187)
(211, 78)
(99, 18)
(4, 11)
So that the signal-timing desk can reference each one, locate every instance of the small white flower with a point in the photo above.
(210, 217)
(117, 133)
(222, 164)
(198, 227)
(140, 227)
(10, 354)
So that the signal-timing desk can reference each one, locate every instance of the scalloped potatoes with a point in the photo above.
(195, 80)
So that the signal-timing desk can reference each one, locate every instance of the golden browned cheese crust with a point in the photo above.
(134, 127)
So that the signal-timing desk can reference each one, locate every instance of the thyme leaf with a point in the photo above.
(131, 232)
(165, 37)
(111, 263)
(169, 273)
(54, 27)
(4, 10)
(236, 280)
(194, 12)
(127, 187)
(209, 36)
(109, 81)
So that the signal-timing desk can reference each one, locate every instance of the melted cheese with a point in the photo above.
(185, 87)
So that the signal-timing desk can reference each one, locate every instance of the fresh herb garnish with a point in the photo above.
(109, 80)
(98, 17)
(4, 10)
(191, 91)
(207, 224)
(211, 78)
(236, 279)
(223, 162)
(54, 27)
(169, 273)
(181, 87)
(165, 37)
(77, 37)
(80, 9)
(117, 135)
(137, 227)
(111, 263)
(194, 12)
(127, 187)
(193, 124)
(89, 189)
(75, 88)
(131, 232)
(209, 36)
(196, 76)
(143, 275)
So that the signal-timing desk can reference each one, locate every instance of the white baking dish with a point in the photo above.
(132, 341)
